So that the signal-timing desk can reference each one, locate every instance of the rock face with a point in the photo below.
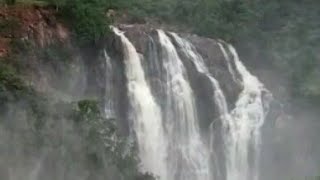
(31, 23)
(146, 42)
(57, 67)
(181, 94)
(54, 65)
(47, 56)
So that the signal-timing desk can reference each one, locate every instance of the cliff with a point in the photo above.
(52, 73)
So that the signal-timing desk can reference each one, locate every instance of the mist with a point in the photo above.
(166, 90)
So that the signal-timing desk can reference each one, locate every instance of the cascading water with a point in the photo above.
(242, 126)
(229, 64)
(188, 156)
(200, 65)
(217, 95)
(242, 131)
(146, 114)
(109, 104)
(169, 140)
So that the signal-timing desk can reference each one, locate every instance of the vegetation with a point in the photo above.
(55, 52)
(12, 87)
(92, 141)
(88, 19)
(14, 90)
(8, 26)
(283, 34)
(101, 134)
(98, 143)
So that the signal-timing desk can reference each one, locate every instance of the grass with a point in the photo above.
(32, 2)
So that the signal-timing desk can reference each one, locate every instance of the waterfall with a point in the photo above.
(109, 104)
(217, 95)
(242, 125)
(188, 155)
(34, 173)
(242, 131)
(145, 113)
(227, 58)
(164, 114)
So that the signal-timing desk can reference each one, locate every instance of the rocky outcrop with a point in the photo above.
(140, 36)
(40, 28)
(48, 57)
(54, 65)
(33, 23)
(145, 40)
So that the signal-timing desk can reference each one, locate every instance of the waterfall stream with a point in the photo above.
(243, 131)
(146, 114)
(217, 95)
(109, 104)
(170, 143)
(189, 155)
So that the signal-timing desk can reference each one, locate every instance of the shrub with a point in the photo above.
(88, 20)
(8, 26)
(56, 53)
(9, 79)
(20, 46)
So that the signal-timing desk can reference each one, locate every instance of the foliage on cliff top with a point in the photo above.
(282, 34)
(88, 19)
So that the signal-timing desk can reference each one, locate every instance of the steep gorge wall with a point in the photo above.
(48, 49)
(49, 73)
(44, 51)
(145, 40)
(55, 65)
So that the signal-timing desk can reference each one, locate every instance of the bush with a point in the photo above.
(88, 20)
(8, 26)
(10, 2)
(56, 52)
(102, 135)
(20, 46)
(9, 79)
(14, 90)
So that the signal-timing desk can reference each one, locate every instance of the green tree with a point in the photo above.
(10, 2)
(88, 19)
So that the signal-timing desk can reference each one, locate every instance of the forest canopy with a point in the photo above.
(283, 32)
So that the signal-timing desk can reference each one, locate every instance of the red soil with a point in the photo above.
(35, 23)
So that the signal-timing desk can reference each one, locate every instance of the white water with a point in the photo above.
(228, 59)
(169, 141)
(242, 125)
(146, 114)
(217, 95)
(34, 173)
(109, 104)
(189, 157)
(243, 131)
